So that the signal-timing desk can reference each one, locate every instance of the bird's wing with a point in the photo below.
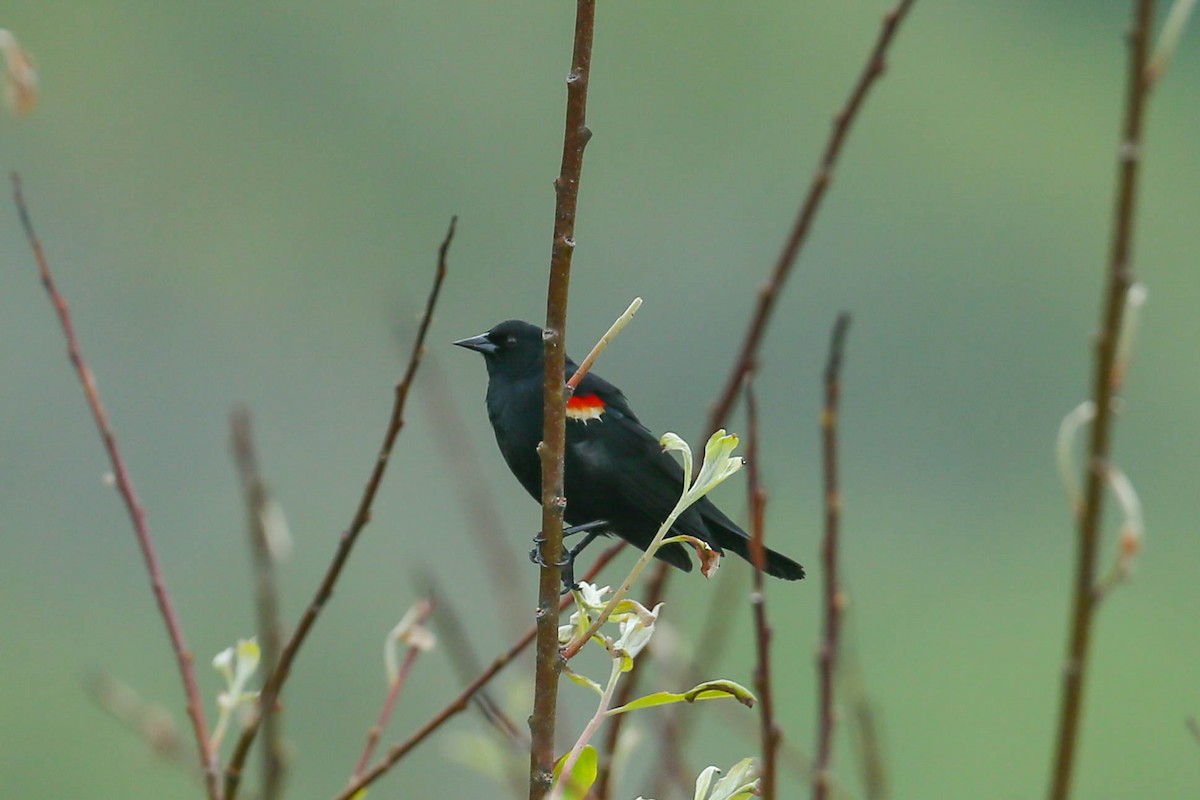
(633, 458)
(593, 385)
(613, 447)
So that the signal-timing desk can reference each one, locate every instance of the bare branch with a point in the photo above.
(137, 515)
(269, 695)
(834, 598)
(554, 399)
(768, 295)
(600, 346)
(603, 785)
(459, 703)
(266, 591)
(459, 648)
(473, 486)
(862, 719)
(149, 721)
(1104, 386)
(769, 732)
(395, 685)
(706, 656)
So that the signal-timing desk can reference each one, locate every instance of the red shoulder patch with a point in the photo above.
(585, 407)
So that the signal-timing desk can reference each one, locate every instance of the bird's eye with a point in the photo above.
(511, 341)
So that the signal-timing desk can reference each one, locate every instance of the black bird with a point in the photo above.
(618, 480)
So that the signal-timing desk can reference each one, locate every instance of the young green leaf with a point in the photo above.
(709, 690)
(740, 784)
(582, 680)
(583, 775)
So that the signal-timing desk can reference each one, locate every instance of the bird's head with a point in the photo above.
(513, 348)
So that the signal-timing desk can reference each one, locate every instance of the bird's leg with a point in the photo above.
(568, 565)
(535, 555)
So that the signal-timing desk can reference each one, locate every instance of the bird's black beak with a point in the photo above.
(480, 344)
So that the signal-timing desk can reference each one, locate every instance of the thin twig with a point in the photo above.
(769, 731)
(21, 80)
(791, 758)
(862, 717)
(603, 785)
(670, 756)
(395, 686)
(673, 734)
(466, 664)
(461, 455)
(1119, 279)
(137, 514)
(875, 785)
(151, 722)
(453, 639)
(870, 751)
(459, 703)
(706, 657)
(554, 399)
(674, 770)
(266, 591)
(768, 295)
(586, 365)
(589, 731)
(271, 688)
(833, 598)
(1168, 39)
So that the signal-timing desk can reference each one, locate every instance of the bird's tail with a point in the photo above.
(778, 565)
(730, 537)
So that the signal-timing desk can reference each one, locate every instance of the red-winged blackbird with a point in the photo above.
(617, 477)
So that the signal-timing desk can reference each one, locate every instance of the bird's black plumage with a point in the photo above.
(615, 469)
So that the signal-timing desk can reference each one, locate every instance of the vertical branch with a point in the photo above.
(770, 732)
(1104, 388)
(768, 295)
(269, 695)
(133, 506)
(833, 598)
(566, 189)
(266, 590)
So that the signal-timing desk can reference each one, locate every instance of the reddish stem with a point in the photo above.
(389, 704)
(833, 599)
(133, 506)
(768, 295)
(459, 703)
(1119, 279)
(554, 399)
(603, 786)
(269, 695)
(266, 592)
(769, 730)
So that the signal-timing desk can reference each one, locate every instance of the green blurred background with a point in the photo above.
(242, 202)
